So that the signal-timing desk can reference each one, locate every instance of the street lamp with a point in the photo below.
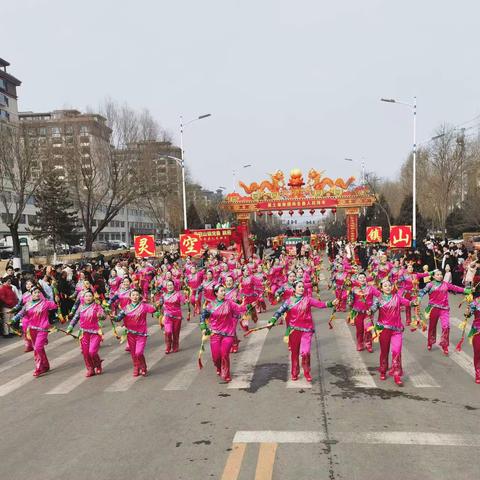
(362, 163)
(413, 106)
(182, 160)
(234, 172)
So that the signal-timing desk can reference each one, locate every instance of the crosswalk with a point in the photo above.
(68, 370)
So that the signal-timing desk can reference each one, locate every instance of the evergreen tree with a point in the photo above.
(405, 217)
(193, 218)
(379, 214)
(56, 220)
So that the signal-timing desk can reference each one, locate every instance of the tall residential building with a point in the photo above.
(8, 94)
(65, 132)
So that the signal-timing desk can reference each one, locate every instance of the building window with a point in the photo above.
(55, 132)
(83, 130)
(3, 84)
(3, 101)
(42, 131)
(5, 115)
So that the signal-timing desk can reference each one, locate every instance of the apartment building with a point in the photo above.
(8, 94)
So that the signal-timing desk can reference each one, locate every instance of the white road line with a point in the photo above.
(127, 380)
(370, 438)
(244, 369)
(301, 382)
(361, 376)
(460, 358)
(11, 346)
(77, 379)
(415, 373)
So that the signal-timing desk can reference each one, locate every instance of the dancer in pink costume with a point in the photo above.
(391, 329)
(35, 313)
(90, 315)
(172, 302)
(114, 283)
(474, 334)
(439, 308)
(193, 280)
(222, 316)
(248, 290)
(134, 317)
(360, 301)
(340, 281)
(205, 290)
(232, 293)
(26, 297)
(407, 286)
(300, 326)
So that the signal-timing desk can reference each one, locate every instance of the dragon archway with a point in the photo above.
(317, 193)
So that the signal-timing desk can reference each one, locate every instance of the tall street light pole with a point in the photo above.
(413, 106)
(362, 163)
(184, 193)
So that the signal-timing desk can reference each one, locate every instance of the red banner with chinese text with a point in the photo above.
(401, 236)
(374, 234)
(352, 227)
(190, 245)
(144, 245)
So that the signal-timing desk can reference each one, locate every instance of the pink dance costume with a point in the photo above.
(474, 337)
(439, 308)
(391, 333)
(172, 320)
(222, 316)
(90, 317)
(300, 330)
(134, 318)
(35, 315)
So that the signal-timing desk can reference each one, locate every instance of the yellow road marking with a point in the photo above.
(266, 459)
(234, 462)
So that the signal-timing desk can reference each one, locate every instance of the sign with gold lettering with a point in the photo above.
(401, 236)
(374, 234)
(144, 245)
(190, 245)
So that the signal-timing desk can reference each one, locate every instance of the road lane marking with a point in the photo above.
(12, 346)
(361, 376)
(127, 380)
(460, 358)
(370, 438)
(234, 462)
(266, 459)
(245, 366)
(185, 377)
(13, 362)
(301, 382)
(415, 373)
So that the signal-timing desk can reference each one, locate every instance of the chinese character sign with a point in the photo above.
(374, 234)
(352, 227)
(190, 245)
(144, 245)
(401, 236)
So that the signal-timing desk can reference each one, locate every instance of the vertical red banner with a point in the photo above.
(352, 227)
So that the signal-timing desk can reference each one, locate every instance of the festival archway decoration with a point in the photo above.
(317, 193)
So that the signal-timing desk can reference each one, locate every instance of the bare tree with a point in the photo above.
(18, 179)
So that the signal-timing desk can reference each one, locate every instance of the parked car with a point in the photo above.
(116, 245)
(99, 245)
(6, 253)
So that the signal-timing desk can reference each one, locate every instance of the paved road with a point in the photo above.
(180, 423)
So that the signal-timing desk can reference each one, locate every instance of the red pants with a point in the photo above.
(300, 343)
(444, 316)
(220, 347)
(364, 338)
(172, 328)
(341, 295)
(136, 344)
(39, 340)
(476, 354)
(391, 339)
(90, 344)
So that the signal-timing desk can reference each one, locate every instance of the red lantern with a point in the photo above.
(280, 213)
(301, 212)
(270, 214)
(312, 211)
(322, 211)
(334, 210)
(290, 212)
(260, 214)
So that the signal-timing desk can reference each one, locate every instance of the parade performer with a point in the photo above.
(222, 316)
(134, 317)
(298, 310)
(193, 280)
(26, 297)
(439, 308)
(232, 293)
(35, 315)
(172, 302)
(90, 315)
(341, 283)
(474, 334)
(206, 288)
(390, 325)
(248, 291)
(360, 301)
(114, 283)
(408, 282)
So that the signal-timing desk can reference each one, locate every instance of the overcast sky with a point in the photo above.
(289, 83)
